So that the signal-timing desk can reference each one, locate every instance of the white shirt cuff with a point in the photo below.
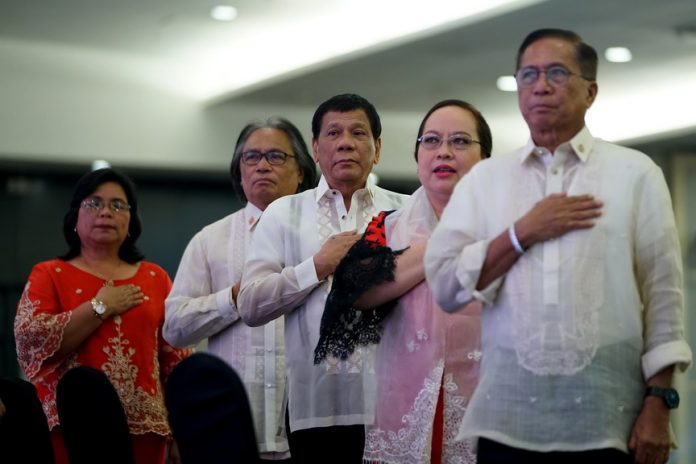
(222, 299)
(306, 274)
(664, 355)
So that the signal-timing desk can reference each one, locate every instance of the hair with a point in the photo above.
(484, 132)
(86, 186)
(585, 54)
(304, 160)
(344, 103)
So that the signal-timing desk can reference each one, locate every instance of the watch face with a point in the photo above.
(99, 307)
(672, 398)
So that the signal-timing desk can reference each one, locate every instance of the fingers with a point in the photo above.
(342, 241)
(646, 452)
(133, 295)
(348, 233)
(332, 251)
(121, 298)
(344, 237)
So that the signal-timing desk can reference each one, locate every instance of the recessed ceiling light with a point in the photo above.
(223, 13)
(618, 54)
(507, 83)
(100, 164)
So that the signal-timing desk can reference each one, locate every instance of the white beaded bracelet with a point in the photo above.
(514, 241)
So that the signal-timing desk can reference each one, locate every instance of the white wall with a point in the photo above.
(64, 104)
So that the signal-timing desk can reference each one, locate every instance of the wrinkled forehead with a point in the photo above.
(356, 117)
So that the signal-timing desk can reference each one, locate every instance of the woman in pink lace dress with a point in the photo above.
(427, 361)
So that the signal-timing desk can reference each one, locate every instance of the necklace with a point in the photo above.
(108, 279)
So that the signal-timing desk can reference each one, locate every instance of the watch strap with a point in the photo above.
(670, 396)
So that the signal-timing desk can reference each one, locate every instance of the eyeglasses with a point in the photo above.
(274, 157)
(556, 75)
(94, 205)
(458, 142)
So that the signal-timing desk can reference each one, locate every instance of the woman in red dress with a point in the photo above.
(101, 305)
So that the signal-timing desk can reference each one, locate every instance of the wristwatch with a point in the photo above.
(668, 395)
(99, 308)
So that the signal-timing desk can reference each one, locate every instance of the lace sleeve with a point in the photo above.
(39, 324)
(368, 263)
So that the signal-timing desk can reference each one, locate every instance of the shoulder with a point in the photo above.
(150, 269)
(386, 199)
(50, 269)
(617, 154)
(494, 171)
(219, 226)
(628, 166)
(285, 205)
(50, 264)
(226, 221)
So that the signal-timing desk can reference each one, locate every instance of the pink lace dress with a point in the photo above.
(423, 353)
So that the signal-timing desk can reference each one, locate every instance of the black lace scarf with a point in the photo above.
(368, 263)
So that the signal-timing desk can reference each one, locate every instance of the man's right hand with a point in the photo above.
(556, 215)
(332, 251)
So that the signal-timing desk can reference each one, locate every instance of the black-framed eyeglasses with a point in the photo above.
(458, 142)
(556, 76)
(274, 157)
(94, 205)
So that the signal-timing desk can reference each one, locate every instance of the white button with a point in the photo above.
(269, 385)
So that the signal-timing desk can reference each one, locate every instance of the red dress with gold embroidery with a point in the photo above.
(128, 348)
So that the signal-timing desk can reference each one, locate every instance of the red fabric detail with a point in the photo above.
(438, 429)
(374, 233)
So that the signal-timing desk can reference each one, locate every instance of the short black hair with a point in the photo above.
(344, 103)
(585, 54)
(484, 131)
(86, 185)
(304, 160)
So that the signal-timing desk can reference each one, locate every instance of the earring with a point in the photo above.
(75, 229)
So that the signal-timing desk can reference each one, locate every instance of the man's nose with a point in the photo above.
(263, 165)
(347, 141)
(542, 83)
